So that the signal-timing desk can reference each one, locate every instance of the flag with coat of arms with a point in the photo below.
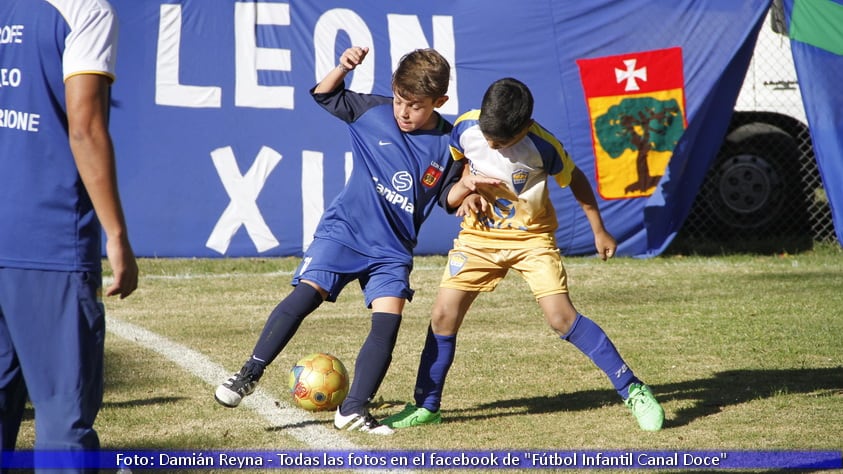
(636, 105)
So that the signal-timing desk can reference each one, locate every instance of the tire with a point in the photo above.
(754, 188)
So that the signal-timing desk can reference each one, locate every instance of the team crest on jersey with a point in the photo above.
(432, 175)
(519, 180)
(456, 261)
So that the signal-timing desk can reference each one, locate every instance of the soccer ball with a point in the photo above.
(318, 382)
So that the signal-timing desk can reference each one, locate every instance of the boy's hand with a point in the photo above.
(464, 188)
(472, 181)
(473, 204)
(606, 245)
(352, 57)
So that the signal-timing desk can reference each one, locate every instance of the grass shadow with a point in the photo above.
(712, 246)
(301, 424)
(708, 395)
(734, 387)
(144, 402)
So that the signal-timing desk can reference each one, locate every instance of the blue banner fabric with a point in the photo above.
(222, 152)
(816, 31)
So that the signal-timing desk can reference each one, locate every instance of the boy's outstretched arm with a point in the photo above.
(468, 184)
(349, 60)
(603, 240)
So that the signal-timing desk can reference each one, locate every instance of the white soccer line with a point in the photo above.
(209, 276)
(297, 423)
(212, 276)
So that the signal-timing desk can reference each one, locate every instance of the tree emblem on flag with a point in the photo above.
(640, 124)
(637, 112)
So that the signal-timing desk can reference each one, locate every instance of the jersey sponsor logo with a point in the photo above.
(384, 143)
(432, 174)
(402, 181)
(636, 102)
(392, 196)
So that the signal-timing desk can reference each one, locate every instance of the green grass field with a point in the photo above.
(744, 352)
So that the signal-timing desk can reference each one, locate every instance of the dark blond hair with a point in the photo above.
(422, 73)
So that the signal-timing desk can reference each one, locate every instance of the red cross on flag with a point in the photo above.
(636, 106)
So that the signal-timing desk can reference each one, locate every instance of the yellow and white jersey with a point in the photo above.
(522, 215)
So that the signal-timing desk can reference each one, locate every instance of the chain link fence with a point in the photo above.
(763, 191)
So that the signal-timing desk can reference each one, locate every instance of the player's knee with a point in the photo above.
(561, 322)
(444, 322)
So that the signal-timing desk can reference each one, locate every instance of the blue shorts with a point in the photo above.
(332, 266)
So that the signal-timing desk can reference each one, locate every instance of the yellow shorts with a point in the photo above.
(479, 269)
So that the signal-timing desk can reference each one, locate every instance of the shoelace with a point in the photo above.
(241, 382)
(370, 421)
(637, 398)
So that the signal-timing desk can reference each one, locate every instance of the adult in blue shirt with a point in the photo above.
(58, 193)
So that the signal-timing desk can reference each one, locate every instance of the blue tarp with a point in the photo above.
(816, 30)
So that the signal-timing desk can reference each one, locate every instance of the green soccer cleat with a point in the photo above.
(645, 407)
(412, 415)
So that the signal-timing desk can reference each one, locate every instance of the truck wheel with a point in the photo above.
(754, 188)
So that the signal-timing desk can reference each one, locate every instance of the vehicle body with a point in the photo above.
(764, 181)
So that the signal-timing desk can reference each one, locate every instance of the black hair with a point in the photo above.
(506, 109)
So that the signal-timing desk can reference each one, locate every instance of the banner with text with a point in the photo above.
(222, 152)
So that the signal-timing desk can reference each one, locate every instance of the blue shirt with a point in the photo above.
(395, 181)
(47, 220)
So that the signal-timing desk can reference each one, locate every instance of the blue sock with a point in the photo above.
(589, 338)
(372, 362)
(281, 325)
(436, 359)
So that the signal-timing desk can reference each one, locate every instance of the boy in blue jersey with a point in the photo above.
(401, 159)
(512, 226)
(58, 197)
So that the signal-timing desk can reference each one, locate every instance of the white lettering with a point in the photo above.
(184, 460)
(28, 122)
(11, 34)
(168, 90)
(243, 191)
(10, 77)
(393, 197)
(312, 197)
(325, 35)
(240, 462)
(250, 58)
(405, 35)
(312, 191)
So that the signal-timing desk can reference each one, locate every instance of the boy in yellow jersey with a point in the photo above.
(511, 226)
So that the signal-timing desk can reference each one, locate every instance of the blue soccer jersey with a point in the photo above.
(46, 216)
(395, 181)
